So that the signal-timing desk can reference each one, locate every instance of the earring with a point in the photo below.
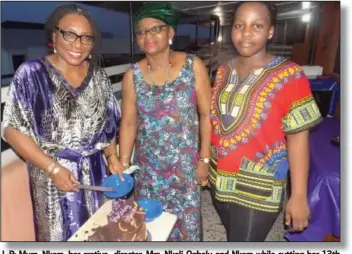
(54, 50)
(90, 56)
(170, 42)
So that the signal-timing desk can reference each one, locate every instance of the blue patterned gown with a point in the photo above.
(167, 148)
(73, 125)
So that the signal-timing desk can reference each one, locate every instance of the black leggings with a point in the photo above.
(243, 224)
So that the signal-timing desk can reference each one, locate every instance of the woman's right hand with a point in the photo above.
(64, 180)
(115, 166)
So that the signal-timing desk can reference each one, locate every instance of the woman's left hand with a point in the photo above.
(297, 213)
(202, 173)
(115, 166)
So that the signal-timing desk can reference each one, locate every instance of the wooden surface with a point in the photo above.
(328, 37)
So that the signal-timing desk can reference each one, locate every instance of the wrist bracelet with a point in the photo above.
(53, 169)
(125, 164)
(205, 159)
(50, 168)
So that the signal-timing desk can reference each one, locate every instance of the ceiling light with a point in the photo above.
(217, 9)
(305, 5)
(306, 17)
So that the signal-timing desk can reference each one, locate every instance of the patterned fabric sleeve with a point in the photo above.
(303, 112)
(113, 114)
(17, 105)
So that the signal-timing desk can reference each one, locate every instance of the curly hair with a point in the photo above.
(60, 12)
(269, 5)
(163, 11)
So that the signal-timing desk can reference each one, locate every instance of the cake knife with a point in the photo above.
(92, 187)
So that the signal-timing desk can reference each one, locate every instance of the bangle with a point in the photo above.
(125, 161)
(51, 167)
(55, 171)
(126, 164)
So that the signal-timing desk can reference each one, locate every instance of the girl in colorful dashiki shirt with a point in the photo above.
(261, 110)
(161, 97)
(60, 116)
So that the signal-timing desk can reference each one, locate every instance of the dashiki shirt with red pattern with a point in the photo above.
(249, 163)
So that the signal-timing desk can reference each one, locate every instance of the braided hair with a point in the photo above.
(270, 6)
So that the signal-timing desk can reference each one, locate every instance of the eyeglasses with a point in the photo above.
(71, 37)
(153, 31)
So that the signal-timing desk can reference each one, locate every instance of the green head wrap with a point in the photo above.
(158, 10)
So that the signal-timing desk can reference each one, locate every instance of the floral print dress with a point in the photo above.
(166, 148)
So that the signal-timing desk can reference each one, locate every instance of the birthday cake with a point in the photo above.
(126, 222)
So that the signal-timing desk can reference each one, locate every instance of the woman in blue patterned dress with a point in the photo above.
(161, 98)
(60, 116)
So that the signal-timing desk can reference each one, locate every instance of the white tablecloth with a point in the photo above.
(160, 228)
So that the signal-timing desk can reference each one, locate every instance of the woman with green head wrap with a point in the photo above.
(165, 113)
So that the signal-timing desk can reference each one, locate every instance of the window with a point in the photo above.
(17, 60)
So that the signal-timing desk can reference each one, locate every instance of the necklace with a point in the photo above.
(167, 75)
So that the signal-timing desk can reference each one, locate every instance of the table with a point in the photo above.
(323, 184)
(160, 228)
(327, 84)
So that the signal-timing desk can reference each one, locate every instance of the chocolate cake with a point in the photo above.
(126, 222)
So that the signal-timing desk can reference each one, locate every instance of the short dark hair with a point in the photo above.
(60, 12)
(269, 5)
